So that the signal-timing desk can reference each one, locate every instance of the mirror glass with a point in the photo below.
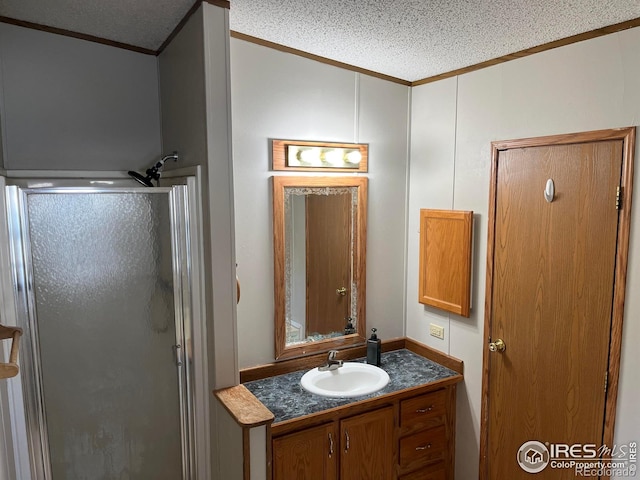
(319, 244)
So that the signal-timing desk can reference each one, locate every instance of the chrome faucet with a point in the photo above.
(332, 363)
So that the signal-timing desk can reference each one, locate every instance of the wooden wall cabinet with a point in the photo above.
(445, 260)
(408, 438)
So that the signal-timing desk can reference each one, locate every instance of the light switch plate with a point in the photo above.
(436, 331)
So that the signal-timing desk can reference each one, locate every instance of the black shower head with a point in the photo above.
(146, 181)
(154, 172)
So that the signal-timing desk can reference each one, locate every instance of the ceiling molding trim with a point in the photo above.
(220, 3)
(81, 36)
(179, 27)
(317, 58)
(185, 19)
(618, 27)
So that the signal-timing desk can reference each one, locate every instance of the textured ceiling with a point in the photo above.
(141, 23)
(407, 39)
(415, 39)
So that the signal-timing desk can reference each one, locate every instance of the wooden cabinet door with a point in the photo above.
(306, 455)
(445, 259)
(367, 446)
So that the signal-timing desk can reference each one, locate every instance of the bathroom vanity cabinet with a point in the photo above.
(310, 450)
(405, 431)
(426, 436)
(407, 438)
(358, 447)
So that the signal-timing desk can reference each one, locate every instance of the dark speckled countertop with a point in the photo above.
(286, 399)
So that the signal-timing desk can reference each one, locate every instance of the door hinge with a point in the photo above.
(606, 380)
(618, 197)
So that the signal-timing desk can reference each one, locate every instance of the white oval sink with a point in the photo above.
(352, 379)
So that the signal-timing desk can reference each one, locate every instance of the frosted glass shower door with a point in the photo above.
(106, 332)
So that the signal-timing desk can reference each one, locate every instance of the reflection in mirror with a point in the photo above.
(318, 261)
(319, 245)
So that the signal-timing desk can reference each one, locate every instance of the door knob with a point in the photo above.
(497, 346)
(341, 291)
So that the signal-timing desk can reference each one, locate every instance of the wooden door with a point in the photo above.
(550, 297)
(329, 260)
(306, 455)
(367, 446)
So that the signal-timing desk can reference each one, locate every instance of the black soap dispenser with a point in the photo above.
(374, 349)
(349, 329)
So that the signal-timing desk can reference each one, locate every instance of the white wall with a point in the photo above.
(194, 91)
(69, 104)
(279, 95)
(194, 79)
(2, 171)
(586, 86)
(182, 95)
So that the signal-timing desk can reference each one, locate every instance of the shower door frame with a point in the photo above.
(20, 254)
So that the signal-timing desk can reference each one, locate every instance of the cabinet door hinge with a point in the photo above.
(606, 380)
(618, 197)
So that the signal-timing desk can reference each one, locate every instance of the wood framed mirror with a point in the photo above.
(319, 239)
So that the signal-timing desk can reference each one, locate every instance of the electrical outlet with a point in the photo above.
(436, 331)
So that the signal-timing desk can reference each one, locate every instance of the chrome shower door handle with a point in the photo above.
(177, 352)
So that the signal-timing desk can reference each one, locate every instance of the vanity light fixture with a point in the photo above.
(320, 156)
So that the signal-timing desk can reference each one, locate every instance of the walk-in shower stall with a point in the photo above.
(103, 289)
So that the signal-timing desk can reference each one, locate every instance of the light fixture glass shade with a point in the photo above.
(354, 157)
(311, 156)
(335, 157)
(320, 156)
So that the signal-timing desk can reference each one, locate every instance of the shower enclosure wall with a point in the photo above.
(104, 290)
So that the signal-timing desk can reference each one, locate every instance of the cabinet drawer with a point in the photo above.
(422, 448)
(432, 472)
(425, 411)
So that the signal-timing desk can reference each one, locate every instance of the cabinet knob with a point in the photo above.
(423, 447)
